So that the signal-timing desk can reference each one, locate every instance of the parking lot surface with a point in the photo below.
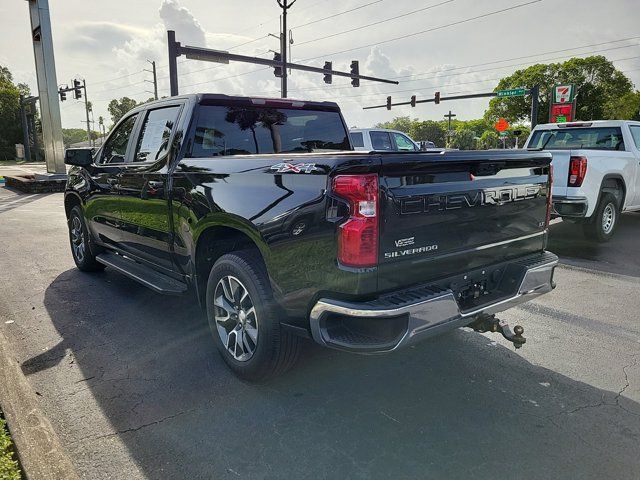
(135, 389)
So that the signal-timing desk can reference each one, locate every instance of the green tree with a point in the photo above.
(10, 124)
(117, 108)
(402, 124)
(464, 139)
(624, 107)
(489, 139)
(76, 135)
(428, 130)
(596, 79)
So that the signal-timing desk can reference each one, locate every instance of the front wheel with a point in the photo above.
(604, 220)
(244, 319)
(83, 256)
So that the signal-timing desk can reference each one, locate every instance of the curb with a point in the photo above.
(40, 451)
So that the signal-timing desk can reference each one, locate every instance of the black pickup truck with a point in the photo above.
(261, 208)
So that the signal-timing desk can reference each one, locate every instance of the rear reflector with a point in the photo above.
(577, 171)
(358, 236)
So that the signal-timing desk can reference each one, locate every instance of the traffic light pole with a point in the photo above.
(219, 56)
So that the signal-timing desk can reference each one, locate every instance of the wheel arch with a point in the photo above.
(71, 199)
(613, 183)
(216, 240)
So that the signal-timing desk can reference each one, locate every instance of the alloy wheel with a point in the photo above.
(236, 318)
(77, 239)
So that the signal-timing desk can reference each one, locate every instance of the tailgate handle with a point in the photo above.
(488, 169)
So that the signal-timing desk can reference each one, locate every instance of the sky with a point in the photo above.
(451, 46)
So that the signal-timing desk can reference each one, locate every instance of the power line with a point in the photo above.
(374, 23)
(436, 87)
(337, 14)
(117, 78)
(440, 27)
(439, 73)
(535, 55)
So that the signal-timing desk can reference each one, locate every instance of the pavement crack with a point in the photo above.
(140, 427)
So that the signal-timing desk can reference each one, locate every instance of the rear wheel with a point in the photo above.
(83, 255)
(244, 320)
(604, 220)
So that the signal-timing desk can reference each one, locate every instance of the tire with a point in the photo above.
(79, 239)
(240, 307)
(604, 220)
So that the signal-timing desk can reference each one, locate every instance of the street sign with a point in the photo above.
(501, 125)
(512, 92)
(503, 134)
(563, 94)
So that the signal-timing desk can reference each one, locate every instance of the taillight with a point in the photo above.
(577, 170)
(358, 236)
(549, 197)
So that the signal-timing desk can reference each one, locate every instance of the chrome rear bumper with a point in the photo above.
(412, 315)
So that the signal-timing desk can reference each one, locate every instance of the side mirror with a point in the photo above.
(80, 157)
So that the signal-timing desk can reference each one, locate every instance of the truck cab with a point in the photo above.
(381, 140)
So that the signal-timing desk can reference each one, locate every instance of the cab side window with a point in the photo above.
(381, 141)
(403, 143)
(115, 148)
(153, 142)
(635, 133)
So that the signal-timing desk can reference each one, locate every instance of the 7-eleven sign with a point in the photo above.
(563, 94)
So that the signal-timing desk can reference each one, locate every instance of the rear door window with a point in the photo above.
(381, 141)
(153, 142)
(357, 139)
(591, 138)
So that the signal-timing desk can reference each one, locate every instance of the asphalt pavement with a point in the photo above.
(132, 384)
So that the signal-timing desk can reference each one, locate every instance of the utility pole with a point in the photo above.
(86, 110)
(283, 44)
(535, 105)
(449, 116)
(155, 78)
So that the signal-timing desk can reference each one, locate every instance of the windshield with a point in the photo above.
(602, 138)
(241, 130)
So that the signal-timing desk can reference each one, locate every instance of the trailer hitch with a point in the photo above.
(489, 323)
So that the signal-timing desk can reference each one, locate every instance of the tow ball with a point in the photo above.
(489, 323)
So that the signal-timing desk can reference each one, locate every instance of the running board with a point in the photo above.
(148, 277)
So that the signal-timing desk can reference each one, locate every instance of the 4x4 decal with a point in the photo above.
(286, 167)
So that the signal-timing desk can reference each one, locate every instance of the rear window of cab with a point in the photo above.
(590, 138)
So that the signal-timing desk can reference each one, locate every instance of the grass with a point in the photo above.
(9, 469)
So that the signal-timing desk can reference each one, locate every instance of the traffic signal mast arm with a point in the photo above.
(209, 55)
(436, 99)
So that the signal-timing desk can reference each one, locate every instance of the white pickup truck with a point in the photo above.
(596, 171)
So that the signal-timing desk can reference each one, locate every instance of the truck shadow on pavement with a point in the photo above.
(455, 407)
(621, 255)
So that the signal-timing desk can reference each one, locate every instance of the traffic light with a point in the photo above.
(355, 70)
(436, 98)
(63, 94)
(413, 100)
(77, 89)
(388, 103)
(277, 71)
(327, 76)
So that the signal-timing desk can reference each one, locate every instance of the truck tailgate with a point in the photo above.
(443, 214)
